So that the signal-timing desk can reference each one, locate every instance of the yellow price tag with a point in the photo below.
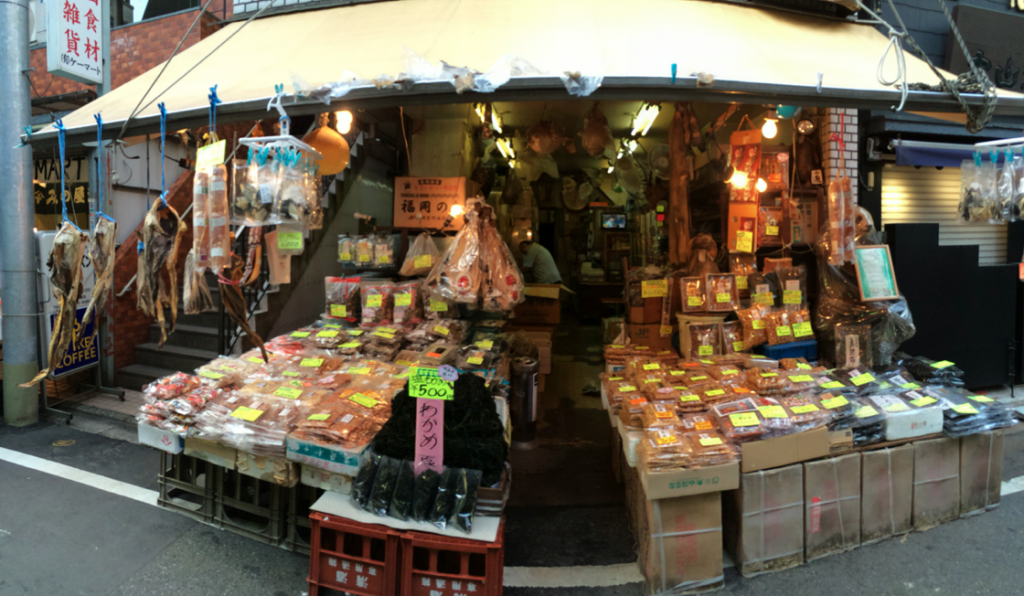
(737, 346)
(383, 259)
(745, 241)
(289, 240)
(290, 373)
(211, 375)
(485, 344)
(783, 330)
(711, 442)
(288, 392)
(422, 261)
(862, 379)
(442, 330)
(652, 366)
(351, 345)
(832, 385)
(764, 298)
(313, 362)
(327, 334)
(741, 282)
(771, 230)
(339, 310)
(654, 288)
(865, 412)
(359, 371)
(475, 360)
(965, 409)
(210, 156)
(705, 350)
(723, 297)
(758, 323)
(924, 401)
(941, 365)
(805, 409)
(792, 297)
(772, 411)
(319, 417)
(366, 402)
(403, 300)
(802, 379)
(835, 402)
(802, 329)
(364, 258)
(300, 334)
(981, 399)
(714, 392)
(438, 306)
(344, 256)
(255, 360)
(694, 301)
(744, 419)
(247, 414)
(375, 301)
(688, 398)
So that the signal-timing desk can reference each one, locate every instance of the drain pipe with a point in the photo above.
(17, 218)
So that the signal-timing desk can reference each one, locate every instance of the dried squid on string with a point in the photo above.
(234, 302)
(157, 275)
(197, 297)
(101, 253)
(65, 263)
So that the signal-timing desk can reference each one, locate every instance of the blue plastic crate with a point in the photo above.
(800, 349)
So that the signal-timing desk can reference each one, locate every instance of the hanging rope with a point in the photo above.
(214, 101)
(99, 168)
(901, 68)
(163, 138)
(59, 125)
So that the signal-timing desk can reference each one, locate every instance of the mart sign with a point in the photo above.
(74, 34)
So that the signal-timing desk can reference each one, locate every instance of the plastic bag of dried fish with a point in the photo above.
(420, 258)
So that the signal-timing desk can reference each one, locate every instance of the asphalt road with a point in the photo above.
(60, 537)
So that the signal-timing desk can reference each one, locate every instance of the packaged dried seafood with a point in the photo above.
(663, 448)
(694, 299)
(709, 448)
(503, 284)
(754, 321)
(793, 281)
(201, 219)
(196, 294)
(162, 230)
(704, 341)
(364, 251)
(346, 249)
(742, 265)
(421, 256)
(383, 251)
(457, 275)
(739, 421)
(732, 337)
(779, 327)
(722, 292)
(220, 233)
(408, 306)
(769, 226)
(246, 206)
(377, 301)
(659, 415)
(343, 297)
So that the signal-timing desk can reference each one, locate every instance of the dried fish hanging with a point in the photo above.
(65, 264)
(234, 302)
(103, 244)
(162, 230)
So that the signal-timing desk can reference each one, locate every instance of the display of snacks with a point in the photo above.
(739, 421)
(693, 297)
(715, 393)
(779, 326)
(408, 305)
(632, 405)
(663, 449)
(377, 301)
(794, 287)
(722, 294)
(709, 448)
(743, 265)
(658, 415)
(755, 325)
(732, 337)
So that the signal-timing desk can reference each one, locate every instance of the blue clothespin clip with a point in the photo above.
(994, 156)
(675, 67)
(214, 102)
(977, 158)
(28, 135)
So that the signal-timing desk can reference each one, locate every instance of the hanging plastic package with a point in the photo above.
(383, 250)
(1005, 188)
(280, 264)
(268, 183)
(1018, 185)
(988, 176)
(745, 152)
(220, 233)
(196, 294)
(314, 194)
(457, 275)
(420, 258)
(293, 203)
(971, 206)
(201, 219)
(246, 207)
(346, 249)
(503, 284)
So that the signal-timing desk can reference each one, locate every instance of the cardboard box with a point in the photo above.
(681, 483)
(647, 314)
(783, 451)
(326, 457)
(840, 441)
(161, 439)
(908, 424)
(831, 506)
(322, 479)
(270, 469)
(887, 493)
(648, 335)
(630, 440)
(764, 529)
(541, 307)
(212, 452)
(981, 472)
(490, 501)
(681, 551)
(936, 482)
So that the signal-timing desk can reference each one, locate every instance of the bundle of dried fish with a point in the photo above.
(65, 265)
(197, 294)
(161, 234)
(101, 253)
(234, 302)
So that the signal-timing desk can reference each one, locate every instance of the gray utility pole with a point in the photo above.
(17, 218)
(104, 320)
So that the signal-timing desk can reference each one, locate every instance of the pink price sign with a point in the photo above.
(429, 435)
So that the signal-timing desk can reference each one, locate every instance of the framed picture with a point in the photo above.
(875, 276)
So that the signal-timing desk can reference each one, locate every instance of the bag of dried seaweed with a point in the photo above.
(465, 500)
(384, 485)
(405, 486)
(444, 503)
(362, 484)
(424, 494)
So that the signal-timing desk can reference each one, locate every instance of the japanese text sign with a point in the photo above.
(74, 38)
(427, 202)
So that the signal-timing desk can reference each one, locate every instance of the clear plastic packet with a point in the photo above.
(364, 251)
(342, 297)
(421, 256)
(408, 305)
(401, 500)
(704, 341)
(293, 192)
(473, 358)
(659, 415)
(465, 500)
(1018, 185)
(739, 421)
(201, 219)
(444, 502)
(764, 289)
(793, 281)
(503, 283)
(988, 176)
(315, 194)
(1005, 188)
(769, 226)
(383, 251)
(219, 214)
(663, 449)
(694, 299)
(722, 292)
(437, 306)
(246, 205)
(779, 326)
(971, 207)
(853, 346)
(754, 321)
(377, 301)
(457, 275)
(362, 484)
(732, 337)
(800, 321)
(268, 184)
(346, 249)
(837, 216)
(384, 485)
(742, 264)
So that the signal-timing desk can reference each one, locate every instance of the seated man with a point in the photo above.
(538, 264)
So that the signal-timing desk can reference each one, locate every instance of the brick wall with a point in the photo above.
(131, 326)
(831, 153)
(134, 49)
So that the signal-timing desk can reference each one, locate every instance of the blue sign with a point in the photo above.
(82, 353)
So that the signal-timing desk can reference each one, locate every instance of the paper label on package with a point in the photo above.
(981, 399)
(769, 374)
(694, 300)
(210, 156)
(925, 400)
(339, 310)
(666, 438)
(300, 334)
(383, 259)
(266, 194)
(764, 298)
(344, 256)
(730, 371)
(802, 366)
(474, 360)
(865, 412)
(404, 299)
(805, 409)
(441, 330)
(665, 330)
(802, 379)
(741, 282)
(351, 345)
(652, 366)
(710, 441)
(832, 385)
(364, 258)
(705, 350)
(758, 323)
(626, 388)
(360, 371)
(737, 346)
(654, 288)
(744, 419)
(289, 240)
(965, 409)
(852, 351)
(835, 402)
(485, 344)
(862, 379)
(211, 375)
(375, 301)
(438, 306)
(327, 334)
(745, 241)
(319, 417)
(247, 414)
(366, 402)
(771, 230)
(941, 365)
(723, 297)
(288, 392)
(714, 392)
(802, 329)
(422, 261)
(772, 411)
(312, 362)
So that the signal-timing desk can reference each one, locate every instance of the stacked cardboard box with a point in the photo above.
(887, 493)
(832, 497)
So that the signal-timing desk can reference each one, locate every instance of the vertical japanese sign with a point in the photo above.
(74, 33)
(426, 202)
(431, 390)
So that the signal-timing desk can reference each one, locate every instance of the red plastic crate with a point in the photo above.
(352, 557)
(434, 565)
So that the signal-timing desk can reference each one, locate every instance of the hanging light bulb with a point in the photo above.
(770, 129)
(344, 121)
(480, 112)
(495, 122)
(457, 210)
(739, 179)
(643, 121)
(761, 185)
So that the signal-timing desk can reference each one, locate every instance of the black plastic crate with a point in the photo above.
(300, 499)
(187, 486)
(250, 507)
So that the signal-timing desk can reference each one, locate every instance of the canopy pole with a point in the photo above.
(17, 218)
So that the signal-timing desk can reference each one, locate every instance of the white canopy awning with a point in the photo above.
(755, 56)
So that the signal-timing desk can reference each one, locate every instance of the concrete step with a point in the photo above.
(207, 319)
(176, 358)
(137, 376)
(188, 336)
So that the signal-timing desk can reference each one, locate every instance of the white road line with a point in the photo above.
(572, 577)
(1012, 486)
(103, 483)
